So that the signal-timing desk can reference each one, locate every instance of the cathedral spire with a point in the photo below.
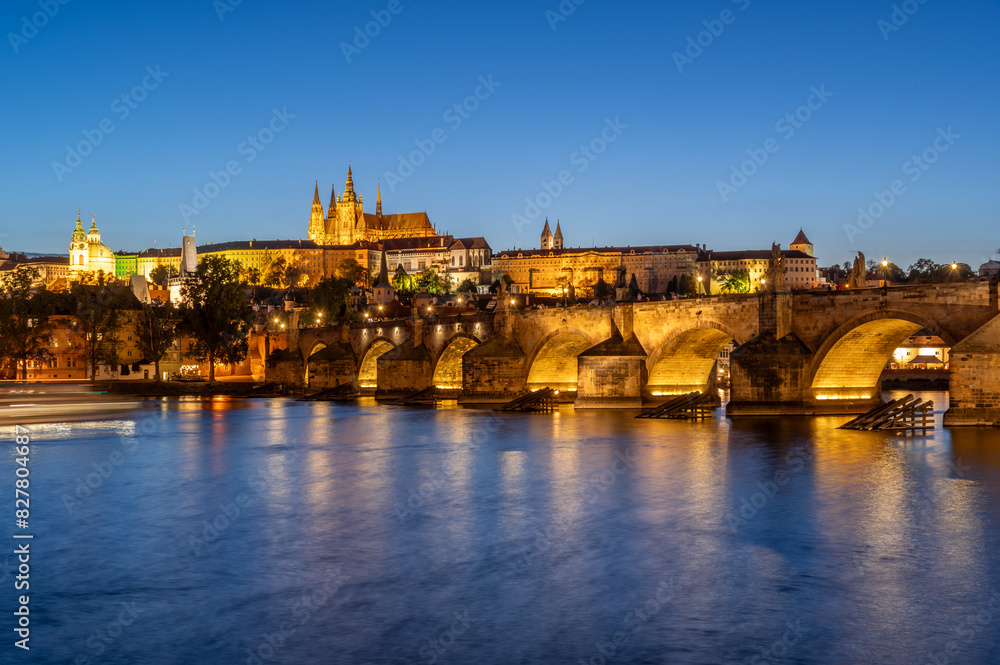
(349, 194)
(333, 198)
(378, 203)
(383, 273)
(316, 195)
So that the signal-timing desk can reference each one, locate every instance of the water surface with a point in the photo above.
(275, 531)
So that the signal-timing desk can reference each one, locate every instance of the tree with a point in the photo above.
(24, 321)
(495, 287)
(687, 284)
(403, 282)
(101, 311)
(353, 271)
(250, 276)
(601, 289)
(633, 288)
(159, 275)
(429, 279)
(217, 313)
(924, 270)
(274, 273)
(467, 286)
(156, 331)
(737, 281)
(330, 301)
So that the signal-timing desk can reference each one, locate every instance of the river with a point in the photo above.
(275, 531)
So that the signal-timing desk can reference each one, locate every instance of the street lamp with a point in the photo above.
(700, 280)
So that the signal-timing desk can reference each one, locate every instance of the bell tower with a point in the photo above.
(316, 219)
(350, 214)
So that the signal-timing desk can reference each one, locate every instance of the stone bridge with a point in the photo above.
(798, 353)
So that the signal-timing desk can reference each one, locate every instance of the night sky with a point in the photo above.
(643, 125)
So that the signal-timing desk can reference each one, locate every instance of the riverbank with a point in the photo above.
(194, 389)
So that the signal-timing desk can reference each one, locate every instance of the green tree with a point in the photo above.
(156, 331)
(403, 282)
(737, 281)
(330, 301)
(217, 313)
(100, 310)
(601, 289)
(429, 279)
(352, 271)
(24, 321)
(466, 286)
(159, 275)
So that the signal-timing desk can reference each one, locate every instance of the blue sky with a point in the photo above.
(555, 86)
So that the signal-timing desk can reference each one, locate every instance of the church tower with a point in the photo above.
(546, 235)
(350, 220)
(78, 248)
(802, 244)
(316, 219)
(557, 240)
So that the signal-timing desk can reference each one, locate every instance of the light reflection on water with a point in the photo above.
(547, 529)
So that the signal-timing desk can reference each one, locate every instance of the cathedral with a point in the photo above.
(345, 222)
(87, 254)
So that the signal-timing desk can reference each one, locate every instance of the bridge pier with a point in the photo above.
(494, 372)
(975, 379)
(612, 374)
(334, 365)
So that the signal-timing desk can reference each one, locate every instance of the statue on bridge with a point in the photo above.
(775, 274)
(858, 279)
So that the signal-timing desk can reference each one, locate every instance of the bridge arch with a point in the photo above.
(448, 368)
(683, 362)
(368, 370)
(317, 346)
(850, 361)
(553, 363)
